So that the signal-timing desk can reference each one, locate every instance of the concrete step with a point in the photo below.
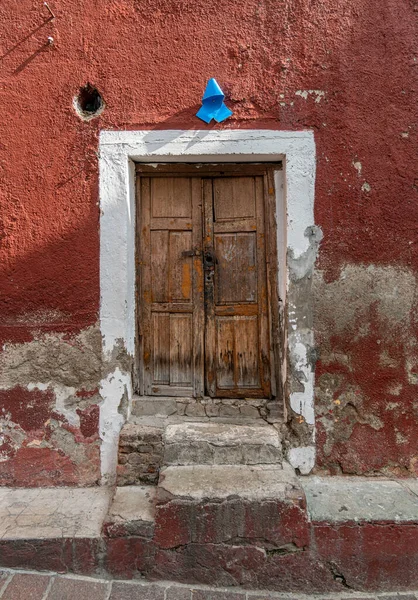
(221, 444)
(225, 525)
(131, 512)
(230, 504)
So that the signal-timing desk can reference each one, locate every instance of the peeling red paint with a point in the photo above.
(89, 421)
(29, 409)
(34, 453)
(7, 448)
(374, 431)
(36, 467)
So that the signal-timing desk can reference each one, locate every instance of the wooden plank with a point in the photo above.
(169, 307)
(225, 353)
(138, 374)
(181, 357)
(172, 224)
(159, 265)
(180, 271)
(226, 255)
(161, 345)
(210, 336)
(249, 224)
(242, 310)
(171, 197)
(198, 292)
(264, 363)
(205, 169)
(146, 290)
(233, 199)
(247, 353)
(174, 391)
(236, 271)
(246, 267)
(276, 328)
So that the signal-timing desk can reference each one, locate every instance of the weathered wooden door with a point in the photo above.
(204, 303)
(171, 322)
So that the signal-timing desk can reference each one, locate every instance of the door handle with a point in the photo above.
(188, 253)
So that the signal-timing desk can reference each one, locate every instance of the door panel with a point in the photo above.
(171, 197)
(181, 351)
(233, 198)
(237, 356)
(161, 343)
(237, 340)
(235, 271)
(171, 287)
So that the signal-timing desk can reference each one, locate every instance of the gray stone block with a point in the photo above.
(221, 444)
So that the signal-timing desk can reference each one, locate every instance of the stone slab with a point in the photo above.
(221, 481)
(148, 406)
(26, 586)
(131, 591)
(339, 499)
(35, 513)
(202, 409)
(220, 443)
(69, 588)
(132, 511)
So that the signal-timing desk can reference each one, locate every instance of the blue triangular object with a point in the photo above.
(213, 106)
(213, 89)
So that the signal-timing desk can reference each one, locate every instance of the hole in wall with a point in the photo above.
(89, 103)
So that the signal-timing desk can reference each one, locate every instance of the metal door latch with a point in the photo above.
(187, 253)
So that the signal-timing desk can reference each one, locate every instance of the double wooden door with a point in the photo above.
(204, 318)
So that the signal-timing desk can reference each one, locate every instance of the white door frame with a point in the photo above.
(297, 247)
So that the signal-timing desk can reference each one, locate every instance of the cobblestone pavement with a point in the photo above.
(24, 585)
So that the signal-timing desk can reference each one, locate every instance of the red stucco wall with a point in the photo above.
(151, 60)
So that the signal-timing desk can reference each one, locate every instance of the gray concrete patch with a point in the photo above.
(34, 513)
(337, 499)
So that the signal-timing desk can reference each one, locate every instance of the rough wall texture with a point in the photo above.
(345, 70)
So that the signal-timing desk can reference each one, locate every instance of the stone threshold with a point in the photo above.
(206, 408)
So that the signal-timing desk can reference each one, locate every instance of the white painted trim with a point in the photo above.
(118, 151)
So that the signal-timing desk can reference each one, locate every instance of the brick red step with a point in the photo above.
(263, 505)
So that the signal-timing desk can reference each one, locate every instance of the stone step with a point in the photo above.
(231, 504)
(201, 409)
(221, 444)
(131, 512)
(243, 526)
(140, 455)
